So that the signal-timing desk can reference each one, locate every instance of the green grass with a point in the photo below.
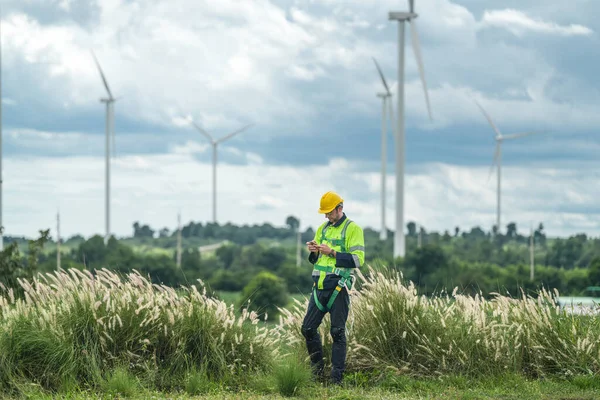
(149, 250)
(233, 297)
(105, 336)
(358, 386)
(120, 382)
(292, 376)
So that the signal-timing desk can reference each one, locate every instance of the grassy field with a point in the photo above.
(360, 386)
(233, 297)
(74, 334)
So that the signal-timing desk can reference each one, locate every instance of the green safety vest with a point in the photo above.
(335, 238)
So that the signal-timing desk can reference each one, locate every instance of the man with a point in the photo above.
(338, 248)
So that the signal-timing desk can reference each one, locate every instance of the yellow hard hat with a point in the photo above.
(329, 201)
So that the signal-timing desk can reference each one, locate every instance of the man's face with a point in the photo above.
(334, 215)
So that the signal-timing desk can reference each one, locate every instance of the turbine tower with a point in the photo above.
(1, 224)
(58, 240)
(384, 96)
(110, 132)
(214, 144)
(402, 18)
(531, 253)
(179, 240)
(498, 158)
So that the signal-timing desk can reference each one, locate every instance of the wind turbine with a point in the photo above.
(402, 17)
(110, 132)
(531, 253)
(498, 157)
(1, 226)
(179, 240)
(384, 96)
(214, 144)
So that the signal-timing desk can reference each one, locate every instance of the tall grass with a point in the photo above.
(75, 325)
(392, 327)
(107, 332)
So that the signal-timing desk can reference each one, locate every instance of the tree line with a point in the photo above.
(473, 260)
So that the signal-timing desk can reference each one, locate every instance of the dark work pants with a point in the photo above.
(310, 330)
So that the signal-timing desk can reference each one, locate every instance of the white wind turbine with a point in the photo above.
(179, 240)
(402, 17)
(214, 144)
(58, 240)
(498, 157)
(1, 226)
(110, 132)
(384, 96)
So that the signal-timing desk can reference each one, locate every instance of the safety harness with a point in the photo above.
(346, 279)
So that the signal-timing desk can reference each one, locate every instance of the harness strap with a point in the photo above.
(334, 270)
(341, 284)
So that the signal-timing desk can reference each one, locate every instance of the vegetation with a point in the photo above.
(122, 318)
(474, 260)
(264, 294)
(102, 331)
(97, 332)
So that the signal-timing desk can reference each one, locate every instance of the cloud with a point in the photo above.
(152, 188)
(8, 101)
(302, 72)
(518, 23)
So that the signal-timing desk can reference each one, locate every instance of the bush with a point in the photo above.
(264, 294)
(292, 375)
(76, 325)
(392, 327)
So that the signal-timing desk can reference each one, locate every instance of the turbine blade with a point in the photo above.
(387, 89)
(102, 75)
(417, 49)
(411, 5)
(391, 115)
(233, 133)
(518, 135)
(202, 131)
(112, 128)
(489, 119)
(495, 161)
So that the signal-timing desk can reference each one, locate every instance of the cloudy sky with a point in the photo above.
(301, 72)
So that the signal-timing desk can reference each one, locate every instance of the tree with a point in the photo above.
(164, 232)
(412, 229)
(272, 258)
(456, 231)
(264, 293)
(227, 254)
(446, 238)
(142, 231)
(511, 230)
(292, 222)
(476, 233)
(426, 260)
(92, 251)
(12, 266)
(594, 272)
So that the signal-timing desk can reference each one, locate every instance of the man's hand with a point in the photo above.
(325, 249)
(312, 246)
